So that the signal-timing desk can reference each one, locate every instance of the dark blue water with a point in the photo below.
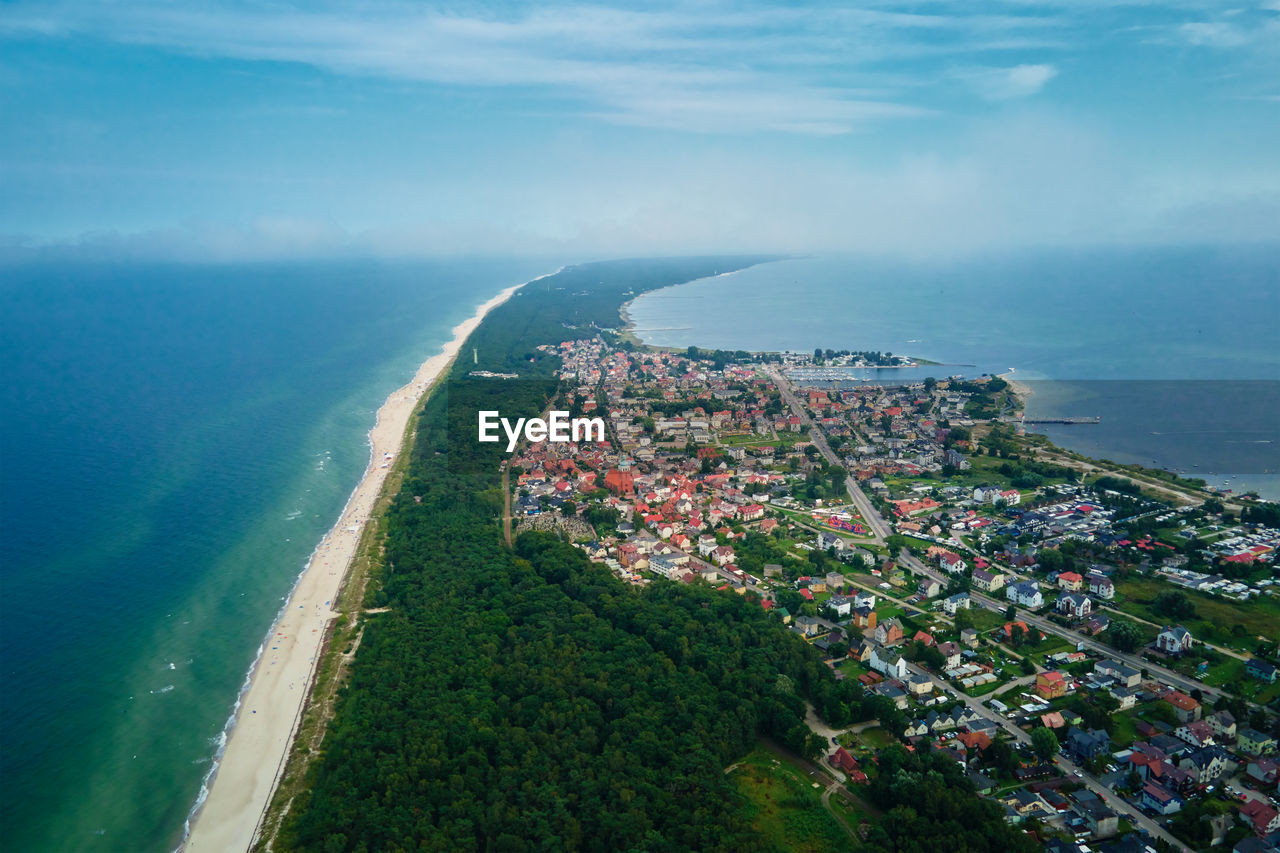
(1178, 316)
(174, 442)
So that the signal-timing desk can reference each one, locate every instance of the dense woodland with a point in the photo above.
(526, 699)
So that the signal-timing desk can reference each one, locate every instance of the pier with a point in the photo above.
(1085, 420)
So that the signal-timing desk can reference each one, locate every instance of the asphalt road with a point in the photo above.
(1068, 767)
(879, 528)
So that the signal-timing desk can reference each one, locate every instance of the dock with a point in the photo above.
(1084, 420)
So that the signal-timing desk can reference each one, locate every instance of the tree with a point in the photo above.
(1124, 635)
(1011, 612)
(568, 509)
(1174, 604)
(1027, 666)
(1044, 743)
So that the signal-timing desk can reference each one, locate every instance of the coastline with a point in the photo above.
(260, 734)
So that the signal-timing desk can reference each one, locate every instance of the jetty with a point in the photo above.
(1084, 420)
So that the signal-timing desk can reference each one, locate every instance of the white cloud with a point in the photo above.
(706, 67)
(1002, 84)
(1214, 34)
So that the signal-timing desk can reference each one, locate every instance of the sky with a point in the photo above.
(235, 129)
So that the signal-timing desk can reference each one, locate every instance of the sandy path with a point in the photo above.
(272, 707)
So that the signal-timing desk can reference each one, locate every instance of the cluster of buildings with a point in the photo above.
(698, 457)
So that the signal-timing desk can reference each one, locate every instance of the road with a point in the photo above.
(879, 528)
(1068, 767)
(1163, 673)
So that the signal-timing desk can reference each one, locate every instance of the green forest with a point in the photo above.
(522, 699)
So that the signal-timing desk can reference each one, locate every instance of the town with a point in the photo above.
(1095, 647)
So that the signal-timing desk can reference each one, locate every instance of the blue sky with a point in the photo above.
(245, 129)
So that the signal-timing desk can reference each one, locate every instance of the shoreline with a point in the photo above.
(236, 793)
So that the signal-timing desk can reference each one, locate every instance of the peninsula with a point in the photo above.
(768, 612)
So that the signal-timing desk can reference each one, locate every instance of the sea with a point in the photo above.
(175, 439)
(1174, 349)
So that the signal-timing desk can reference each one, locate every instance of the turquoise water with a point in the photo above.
(1091, 321)
(175, 441)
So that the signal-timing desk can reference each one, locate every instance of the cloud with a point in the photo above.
(707, 67)
(1002, 84)
(1213, 34)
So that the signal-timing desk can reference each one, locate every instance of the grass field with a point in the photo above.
(785, 809)
(1259, 617)
(985, 620)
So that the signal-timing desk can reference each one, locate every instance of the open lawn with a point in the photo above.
(785, 808)
(1124, 733)
(985, 620)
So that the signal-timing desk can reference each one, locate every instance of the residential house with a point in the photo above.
(1264, 770)
(1070, 581)
(1261, 816)
(841, 605)
(1197, 733)
(862, 618)
(1253, 742)
(952, 562)
(888, 663)
(863, 598)
(810, 626)
(1101, 586)
(1222, 723)
(1026, 594)
(1087, 745)
(1174, 641)
(1261, 670)
(1206, 764)
(1185, 708)
(987, 581)
(1123, 674)
(827, 541)
(959, 601)
(920, 684)
(1126, 696)
(950, 655)
(1074, 605)
(1102, 820)
(1160, 800)
(969, 638)
(929, 588)
(1051, 685)
(889, 633)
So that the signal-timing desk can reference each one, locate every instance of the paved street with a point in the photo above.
(1068, 767)
(880, 528)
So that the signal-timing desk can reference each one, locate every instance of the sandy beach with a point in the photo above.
(271, 708)
(1022, 390)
